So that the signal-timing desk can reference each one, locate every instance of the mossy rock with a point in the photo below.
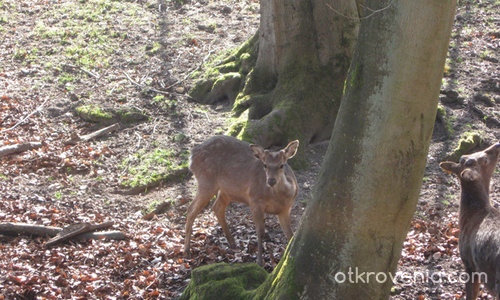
(224, 281)
(467, 143)
(95, 114)
(131, 115)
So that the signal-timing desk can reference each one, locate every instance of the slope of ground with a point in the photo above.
(72, 67)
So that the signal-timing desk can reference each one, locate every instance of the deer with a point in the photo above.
(479, 221)
(236, 171)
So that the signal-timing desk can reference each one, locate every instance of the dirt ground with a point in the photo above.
(142, 57)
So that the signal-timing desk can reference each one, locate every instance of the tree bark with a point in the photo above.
(371, 176)
(301, 55)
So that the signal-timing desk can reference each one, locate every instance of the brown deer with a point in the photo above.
(237, 171)
(479, 222)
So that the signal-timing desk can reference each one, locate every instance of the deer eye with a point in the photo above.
(281, 167)
(483, 161)
(265, 166)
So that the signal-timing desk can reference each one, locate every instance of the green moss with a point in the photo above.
(93, 113)
(281, 283)
(237, 124)
(355, 77)
(467, 143)
(446, 120)
(224, 281)
(148, 169)
(131, 115)
(223, 78)
(441, 111)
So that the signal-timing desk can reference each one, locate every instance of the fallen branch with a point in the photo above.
(76, 230)
(24, 228)
(18, 148)
(40, 230)
(75, 138)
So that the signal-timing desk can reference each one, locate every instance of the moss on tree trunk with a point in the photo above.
(286, 82)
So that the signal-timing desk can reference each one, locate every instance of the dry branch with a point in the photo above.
(40, 230)
(84, 138)
(74, 230)
(18, 148)
(23, 228)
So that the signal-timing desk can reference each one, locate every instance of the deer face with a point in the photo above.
(475, 166)
(274, 161)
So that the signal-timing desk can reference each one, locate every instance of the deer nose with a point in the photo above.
(271, 181)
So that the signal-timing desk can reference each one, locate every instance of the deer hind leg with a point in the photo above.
(203, 195)
(221, 203)
(285, 223)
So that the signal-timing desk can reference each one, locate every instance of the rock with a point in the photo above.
(180, 90)
(54, 111)
(487, 100)
(450, 97)
(226, 9)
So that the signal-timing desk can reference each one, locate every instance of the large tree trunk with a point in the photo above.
(369, 184)
(301, 55)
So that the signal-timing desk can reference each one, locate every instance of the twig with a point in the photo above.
(77, 138)
(190, 73)
(144, 86)
(39, 108)
(373, 11)
(173, 84)
(96, 76)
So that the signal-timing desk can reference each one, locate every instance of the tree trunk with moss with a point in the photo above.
(350, 237)
(287, 81)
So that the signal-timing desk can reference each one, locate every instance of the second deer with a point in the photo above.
(237, 171)
(479, 222)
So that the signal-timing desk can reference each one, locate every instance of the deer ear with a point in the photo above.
(493, 148)
(450, 167)
(291, 149)
(258, 151)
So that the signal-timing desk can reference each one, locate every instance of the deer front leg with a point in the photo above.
(258, 218)
(285, 223)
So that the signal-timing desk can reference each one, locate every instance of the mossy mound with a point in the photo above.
(467, 144)
(224, 80)
(224, 281)
(95, 114)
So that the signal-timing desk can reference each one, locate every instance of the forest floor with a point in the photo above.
(69, 68)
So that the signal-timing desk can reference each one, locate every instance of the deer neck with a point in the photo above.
(474, 201)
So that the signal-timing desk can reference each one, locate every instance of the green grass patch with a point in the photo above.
(89, 33)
